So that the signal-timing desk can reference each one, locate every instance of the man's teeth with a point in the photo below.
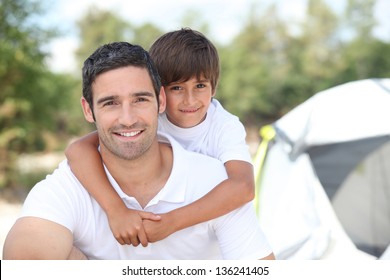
(130, 134)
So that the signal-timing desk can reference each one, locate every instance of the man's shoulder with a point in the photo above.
(62, 177)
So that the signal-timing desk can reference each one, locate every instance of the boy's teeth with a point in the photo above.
(129, 134)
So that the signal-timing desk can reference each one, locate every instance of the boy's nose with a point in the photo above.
(188, 98)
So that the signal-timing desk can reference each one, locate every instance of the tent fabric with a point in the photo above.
(315, 148)
(346, 112)
(362, 204)
(346, 154)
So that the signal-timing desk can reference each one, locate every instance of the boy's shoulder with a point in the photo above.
(218, 110)
(195, 158)
(220, 114)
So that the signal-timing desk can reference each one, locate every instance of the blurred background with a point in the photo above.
(274, 55)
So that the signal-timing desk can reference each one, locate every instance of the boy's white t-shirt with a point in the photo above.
(221, 135)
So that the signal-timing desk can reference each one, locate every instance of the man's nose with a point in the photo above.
(127, 116)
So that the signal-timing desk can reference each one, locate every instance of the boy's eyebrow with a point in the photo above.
(203, 80)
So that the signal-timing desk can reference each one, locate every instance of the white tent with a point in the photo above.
(324, 184)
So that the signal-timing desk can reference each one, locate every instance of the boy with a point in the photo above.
(188, 65)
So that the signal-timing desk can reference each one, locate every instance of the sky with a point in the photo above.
(225, 19)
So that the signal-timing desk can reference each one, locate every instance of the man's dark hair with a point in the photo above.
(116, 55)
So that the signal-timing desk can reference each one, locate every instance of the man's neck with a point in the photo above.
(144, 177)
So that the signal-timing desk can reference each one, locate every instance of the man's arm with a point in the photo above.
(35, 238)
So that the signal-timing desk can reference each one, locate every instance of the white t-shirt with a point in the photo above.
(62, 199)
(221, 135)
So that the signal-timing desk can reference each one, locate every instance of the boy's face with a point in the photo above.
(187, 102)
(126, 111)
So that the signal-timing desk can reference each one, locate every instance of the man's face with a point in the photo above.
(126, 112)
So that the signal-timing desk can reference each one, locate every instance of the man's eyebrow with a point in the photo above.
(136, 94)
(144, 93)
(106, 98)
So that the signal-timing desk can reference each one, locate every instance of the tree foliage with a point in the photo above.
(267, 69)
(99, 27)
(31, 97)
(270, 66)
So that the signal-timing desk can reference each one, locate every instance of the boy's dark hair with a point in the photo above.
(116, 55)
(183, 54)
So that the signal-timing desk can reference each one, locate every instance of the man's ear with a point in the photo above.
(163, 100)
(88, 114)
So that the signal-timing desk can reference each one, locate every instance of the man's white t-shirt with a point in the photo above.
(237, 235)
(221, 135)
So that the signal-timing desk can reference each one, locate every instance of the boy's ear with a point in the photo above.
(88, 114)
(213, 93)
(162, 100)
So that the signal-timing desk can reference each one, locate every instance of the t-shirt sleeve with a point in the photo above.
(231, 142)
(54, 199)
(240, 235)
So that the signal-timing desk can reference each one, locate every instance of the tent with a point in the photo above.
(323, 175)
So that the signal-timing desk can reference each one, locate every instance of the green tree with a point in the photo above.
(320, 48)
(254, 67)
(144, 35)
(31, 97)
(99, 27)
(267, 69)
(364, 55)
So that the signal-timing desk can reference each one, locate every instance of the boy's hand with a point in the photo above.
(158, 230)
(127, 228)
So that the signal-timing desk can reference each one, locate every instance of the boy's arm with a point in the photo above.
(33, 238)
(86, 163)
(230, 194)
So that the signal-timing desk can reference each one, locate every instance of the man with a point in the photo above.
(122, 95)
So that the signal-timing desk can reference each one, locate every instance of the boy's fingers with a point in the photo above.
(143, 238)
(149, 216)
(120, 240)
(134, 241)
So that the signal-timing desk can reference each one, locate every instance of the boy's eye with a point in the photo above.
(200, 85)
(175, 88)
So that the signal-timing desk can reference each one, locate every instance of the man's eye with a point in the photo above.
(108, 103)
(141, 99)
